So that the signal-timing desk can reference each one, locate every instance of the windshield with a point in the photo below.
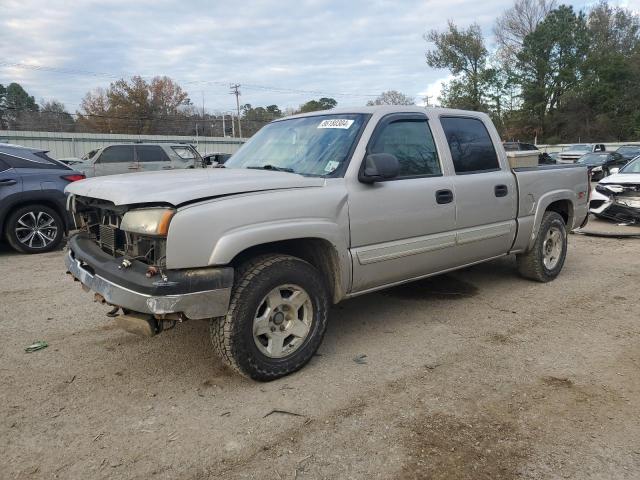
(185, 153)
(579, 147)
(632, 167)
(629, 150)
(591, 159)
(315, 146)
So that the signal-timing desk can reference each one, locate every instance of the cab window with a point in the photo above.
(472, 149)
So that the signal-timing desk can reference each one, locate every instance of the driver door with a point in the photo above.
(404, 227)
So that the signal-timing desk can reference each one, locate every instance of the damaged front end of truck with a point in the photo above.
(119, 253)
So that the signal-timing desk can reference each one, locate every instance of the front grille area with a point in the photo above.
(102, 221)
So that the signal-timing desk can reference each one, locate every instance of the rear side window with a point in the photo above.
(411, 142)
(116, 154)
(151, 153)
(185, 153)
(32, 160)
(471, 147)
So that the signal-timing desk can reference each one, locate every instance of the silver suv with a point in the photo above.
(139, 157)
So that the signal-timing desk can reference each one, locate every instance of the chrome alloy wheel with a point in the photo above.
(36, 229)
(552, 248)
(282, 321)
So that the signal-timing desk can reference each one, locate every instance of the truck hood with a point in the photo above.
(181, 186)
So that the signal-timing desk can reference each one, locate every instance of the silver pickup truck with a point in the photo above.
(312, 210)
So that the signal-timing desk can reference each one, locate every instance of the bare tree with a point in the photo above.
(517, 22)
(391, 97)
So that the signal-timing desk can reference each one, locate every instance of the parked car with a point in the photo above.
(617, 197)
(601, 163)
(215, 159)
(572, 153)
(629, 152)
(325, 206)
(139, 157)
(543, 157)
(33, 215)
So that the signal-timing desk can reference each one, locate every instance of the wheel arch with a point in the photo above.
(561, 202)
(25, 199)
(319, 252)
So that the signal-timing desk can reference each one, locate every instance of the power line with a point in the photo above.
(283, 90)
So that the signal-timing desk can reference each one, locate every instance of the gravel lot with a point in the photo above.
(474, 375)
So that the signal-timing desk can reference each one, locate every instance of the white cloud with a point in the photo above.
(360, 47)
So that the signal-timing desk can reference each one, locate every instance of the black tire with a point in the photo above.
(531, 264)
(38, 245)
(233, 336)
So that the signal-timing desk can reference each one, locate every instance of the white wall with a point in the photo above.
(66, 145)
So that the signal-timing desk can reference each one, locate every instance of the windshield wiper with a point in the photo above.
(272, 167)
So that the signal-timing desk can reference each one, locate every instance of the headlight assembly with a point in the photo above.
(148, 221)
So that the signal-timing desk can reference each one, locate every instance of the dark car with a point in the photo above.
(629, 151)
(601, 163)
(543, 157)
(33, 216)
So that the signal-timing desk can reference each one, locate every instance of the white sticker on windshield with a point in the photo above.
(336, 123)
(331, 166)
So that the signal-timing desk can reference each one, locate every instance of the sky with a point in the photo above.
(281, 52)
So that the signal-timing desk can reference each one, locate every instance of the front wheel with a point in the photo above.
(546, 258)
(276, 320)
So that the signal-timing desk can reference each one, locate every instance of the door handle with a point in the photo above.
(501, 190)
(444, 196)
(7, 182)
(133, 167)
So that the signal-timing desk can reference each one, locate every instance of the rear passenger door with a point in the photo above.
(152, 157)
(486, 193)
(116, 159)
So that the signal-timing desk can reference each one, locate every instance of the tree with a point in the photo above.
(550, 63)
(322, 104)
(391, 97)
(463, 52)
(54, 116)
(516, 23)
(137, 106)
(17, 107)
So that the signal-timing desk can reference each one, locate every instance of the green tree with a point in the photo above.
(464, 54)
(17, 107)
(323, 103)
(549, 65)
(391, 97)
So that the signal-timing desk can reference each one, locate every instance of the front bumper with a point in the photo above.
(197, 293)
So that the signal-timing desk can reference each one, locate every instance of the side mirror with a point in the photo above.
(379, 166)
(614, 170)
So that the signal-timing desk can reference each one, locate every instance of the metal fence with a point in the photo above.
(68, 145)
(558, 148)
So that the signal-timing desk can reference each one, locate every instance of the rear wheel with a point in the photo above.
(34, 229)
(276, 320)
(546, 258)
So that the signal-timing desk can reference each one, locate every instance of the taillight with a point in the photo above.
(74, 178)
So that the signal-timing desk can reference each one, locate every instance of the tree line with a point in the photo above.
(556, 76)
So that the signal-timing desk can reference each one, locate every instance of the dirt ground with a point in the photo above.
(473, 375)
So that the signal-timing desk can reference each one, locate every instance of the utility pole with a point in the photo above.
(233, 127)
(235, 91)
(426, 100)
(224, 128)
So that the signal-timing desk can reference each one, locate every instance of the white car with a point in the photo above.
(572, 153)
(617, 197)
